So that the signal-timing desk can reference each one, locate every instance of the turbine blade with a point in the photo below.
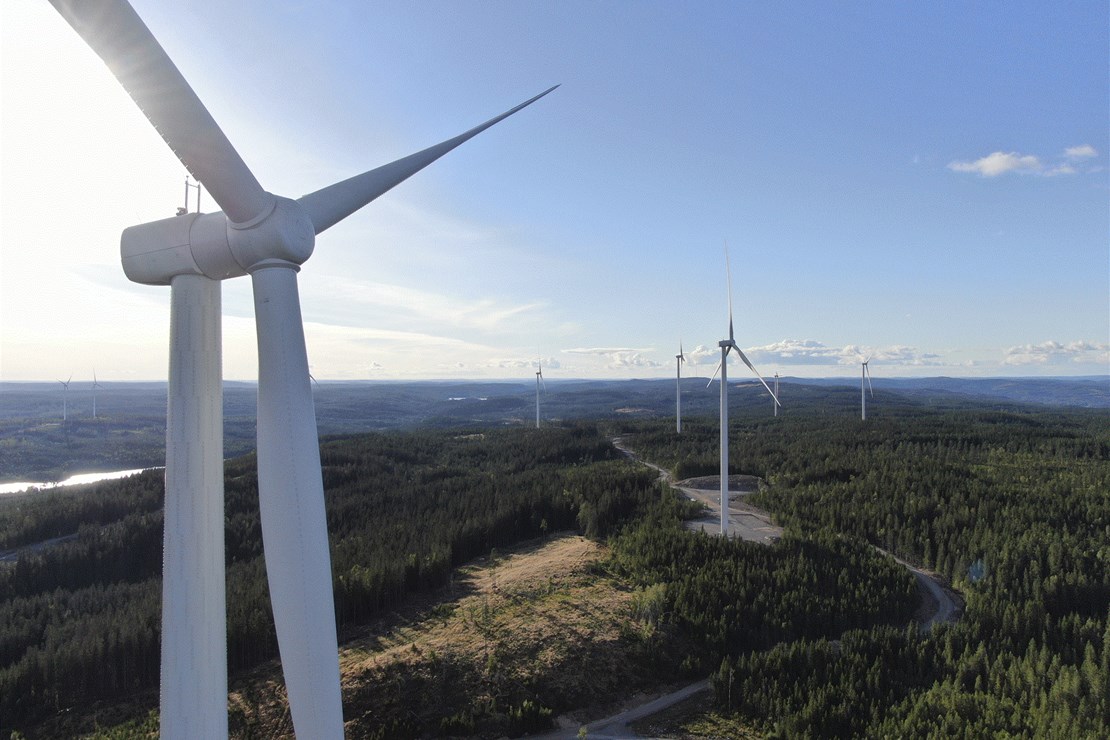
(714, 375)
(761, 380)
(867, 372)
(291, 504)
(117, 34)
(330, 205)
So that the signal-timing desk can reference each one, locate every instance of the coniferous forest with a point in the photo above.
(809, 637)
(1012, 507)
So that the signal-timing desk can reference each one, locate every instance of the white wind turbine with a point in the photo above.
(539, 382)
(95, 385)
(678, 360)
(267, 237)
(865, 375)
(726, 346)
(65, 396)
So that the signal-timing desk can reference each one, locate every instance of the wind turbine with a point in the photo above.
(539, 382)
(95, 385)
(776, 393)
(726, 346)
(267, 237)
(678, 360)
(65, 395)
(865, 375)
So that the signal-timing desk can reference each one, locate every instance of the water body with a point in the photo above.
(73, 480)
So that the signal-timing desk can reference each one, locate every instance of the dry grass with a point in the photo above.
(540, 623)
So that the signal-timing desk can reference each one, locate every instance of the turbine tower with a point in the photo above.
(539, 382)
(678, 360)
(267, 237)
(865, 375)
(95, 385)
(727, 345)
(776, 404)
(65, 396)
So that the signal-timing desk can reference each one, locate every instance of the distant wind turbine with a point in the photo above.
(65, 396)
(678, 360)
(268, 237)
(727, 345)
(539, 382)
(865, 375)
(95, 385)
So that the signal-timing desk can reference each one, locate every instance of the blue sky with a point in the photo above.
(927, 182)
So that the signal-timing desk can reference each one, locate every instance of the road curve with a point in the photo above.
(944, 603)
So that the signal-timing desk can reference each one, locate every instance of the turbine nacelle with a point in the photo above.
(209, 244)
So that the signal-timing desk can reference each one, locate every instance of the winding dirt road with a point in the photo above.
(939, 603)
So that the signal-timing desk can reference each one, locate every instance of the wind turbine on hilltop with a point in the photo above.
(95, 385)
(539, 382)
(65, 396)
(865, 375)
(678, 360)
(727, 345)
(267, 237)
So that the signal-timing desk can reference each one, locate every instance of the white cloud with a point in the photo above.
(618, 357)
(812, 352)
(797, 352)
(900, 354)
(998, 163)
(699, 353)
(1060, 169)
(517, 363)
(1086, 151)
(1056, 353)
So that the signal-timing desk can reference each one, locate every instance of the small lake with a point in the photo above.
(73, 480)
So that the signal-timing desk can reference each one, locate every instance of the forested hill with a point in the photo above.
(129, 429)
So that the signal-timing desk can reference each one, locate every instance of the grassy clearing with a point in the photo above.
(517, 638)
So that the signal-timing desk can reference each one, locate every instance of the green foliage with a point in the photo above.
(528, 717)
(80, 621)
(806, 636)
(1012, 507)
(734, 596)
(460, 724)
